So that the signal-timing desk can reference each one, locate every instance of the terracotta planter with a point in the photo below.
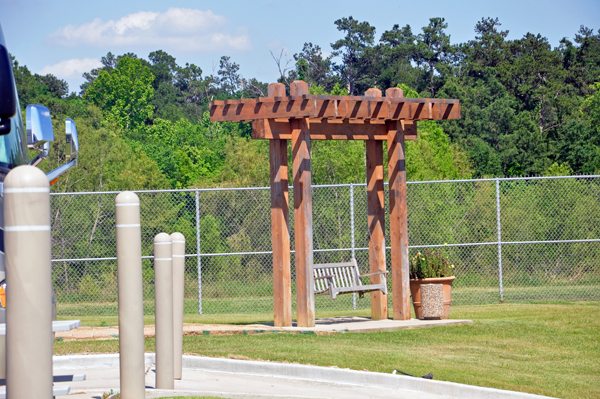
(415, 291)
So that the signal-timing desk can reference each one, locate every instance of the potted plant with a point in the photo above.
(430, 267)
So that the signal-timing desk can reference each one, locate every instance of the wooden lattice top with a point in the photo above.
(334, 117)
(334, 107)
(371, 106)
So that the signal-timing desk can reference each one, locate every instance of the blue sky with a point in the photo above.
(68, 37)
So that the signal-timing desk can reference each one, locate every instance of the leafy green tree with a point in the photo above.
(433, 50)
(54, 86)
(356, 50)
(124, 93)
(488, 49)
(398, 48)
(109, 63)
(107, 161)
(313, 67)
(592, 106)
(432, 157)
(164, 67)
(246, 163)
(230, 78)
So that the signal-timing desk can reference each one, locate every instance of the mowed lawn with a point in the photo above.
(542, 348)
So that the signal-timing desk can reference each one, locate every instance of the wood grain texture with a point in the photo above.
(376, 223)
(334, 129)
(280, 235)
(276, 90)
(398, 221)
(376, 219)
(305, 305)
(245, 110)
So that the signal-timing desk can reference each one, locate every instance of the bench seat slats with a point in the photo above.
(363, 288)
(343, 278)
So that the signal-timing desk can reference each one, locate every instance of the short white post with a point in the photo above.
(29, 284)
(163, 302)
(131, 296)
(178, 248)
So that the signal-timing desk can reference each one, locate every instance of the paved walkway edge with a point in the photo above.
(304, 372)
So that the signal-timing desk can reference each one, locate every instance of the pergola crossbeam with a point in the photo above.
(277, 129)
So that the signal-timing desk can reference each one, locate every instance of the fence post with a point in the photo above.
(499, 229)
(198, 251)
(352, 235)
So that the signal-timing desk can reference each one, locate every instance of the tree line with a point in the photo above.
(527, 108)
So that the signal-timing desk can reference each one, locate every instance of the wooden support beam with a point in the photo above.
(305, 298)
(410, 130)
(376, 219)
(270, 129)
(280, 233)
(280, 236)
(398, 221)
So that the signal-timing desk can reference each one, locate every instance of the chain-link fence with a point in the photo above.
(522, 239)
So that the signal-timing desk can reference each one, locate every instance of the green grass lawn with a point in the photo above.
(243, 299)
(542, 348)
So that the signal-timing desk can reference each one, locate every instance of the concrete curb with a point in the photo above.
(160, 393)
(310, 373)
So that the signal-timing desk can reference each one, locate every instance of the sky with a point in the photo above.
(68, 37)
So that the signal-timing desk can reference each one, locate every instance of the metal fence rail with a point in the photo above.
(511, 239)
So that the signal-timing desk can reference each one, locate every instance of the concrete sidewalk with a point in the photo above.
(228, 378)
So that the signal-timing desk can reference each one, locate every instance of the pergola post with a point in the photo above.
(305, 302)
(398, 213)
(280, 230)
(376, 219)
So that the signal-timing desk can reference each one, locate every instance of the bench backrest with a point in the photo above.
(345, 274)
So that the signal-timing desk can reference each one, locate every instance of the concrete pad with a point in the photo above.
(365, 324)
(325, 326)
(228, 378)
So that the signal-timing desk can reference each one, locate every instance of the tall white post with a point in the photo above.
(163, 301)
(29, 284)
(178, 248)
(131, 296)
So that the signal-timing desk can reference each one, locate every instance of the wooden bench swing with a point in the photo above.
(344, 278)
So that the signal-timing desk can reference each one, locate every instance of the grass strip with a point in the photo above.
(541, 348)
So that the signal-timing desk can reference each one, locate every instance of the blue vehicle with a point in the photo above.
(15, 143)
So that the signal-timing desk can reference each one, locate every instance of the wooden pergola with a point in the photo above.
(302, 117)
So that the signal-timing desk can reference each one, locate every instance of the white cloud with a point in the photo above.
(176, 29)
(71, 69)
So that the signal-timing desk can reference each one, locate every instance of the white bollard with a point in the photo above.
(131, 296)
(163, 302)
(27, 239)
(178, 248)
